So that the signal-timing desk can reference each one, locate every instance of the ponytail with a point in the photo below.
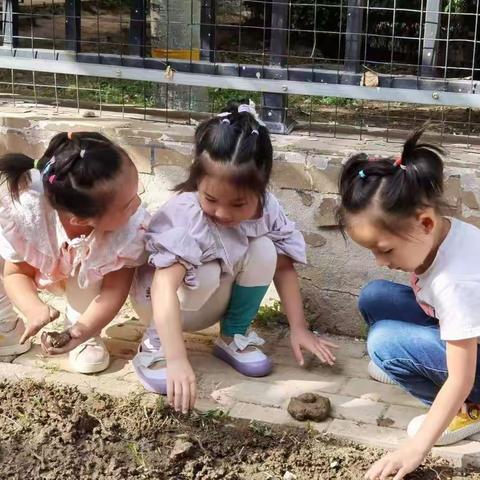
(14, 171)
(73, 165)
(399, 185)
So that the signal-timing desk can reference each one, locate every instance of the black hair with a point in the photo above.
(234, 139)
(73, 166)
(399, 186)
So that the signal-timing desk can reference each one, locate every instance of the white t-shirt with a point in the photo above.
(450, 289)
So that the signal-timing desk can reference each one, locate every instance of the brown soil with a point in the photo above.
(52, 433)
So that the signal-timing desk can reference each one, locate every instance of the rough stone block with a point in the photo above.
(453, 192)
(36, 358)
(22, 143)
(325, 214)
(274, 394)
(168, 156)
(401, 415)
(261, 413)
(291, 175)
(356, 409)
(470, 200)
(324, 173)
(382, 437)
(314, 240)
(363, 388)
(141, 157)
(306, 198)
(461, 455)
(14, 373)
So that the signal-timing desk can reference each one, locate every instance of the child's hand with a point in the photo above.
(78, 334)
(37, 319)
(181, 385)
(304, 338)
(396, 464)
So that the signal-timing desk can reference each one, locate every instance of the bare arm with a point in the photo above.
(288, 288)
(181, 383)
(166, 310)
(461, 363)
(19, 284)
(101, 310)
(18, 279)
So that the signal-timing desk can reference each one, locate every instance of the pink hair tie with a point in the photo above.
(51, 179)
(398, 163)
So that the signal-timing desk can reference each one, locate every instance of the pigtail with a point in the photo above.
(401, 184)
(14, 171)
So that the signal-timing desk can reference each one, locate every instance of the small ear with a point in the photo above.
(427, 220)
(79, 222)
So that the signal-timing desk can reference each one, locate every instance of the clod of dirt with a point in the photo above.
(181, 449)
(385, 422)
(55, 339)
(309, 406)
(289, 476)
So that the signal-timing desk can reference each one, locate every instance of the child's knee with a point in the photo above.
(208, 278)
(379, 342)
(260, 263)
(372, 293)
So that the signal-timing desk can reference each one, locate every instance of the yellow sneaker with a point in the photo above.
(465, 424)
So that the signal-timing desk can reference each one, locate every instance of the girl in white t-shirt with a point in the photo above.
(423, 337)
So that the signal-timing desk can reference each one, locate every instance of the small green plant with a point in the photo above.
(363, 330)
(24, 420)
(260, 428)
(215, 415)
(136, 454)
(51, 367)
(269, 315)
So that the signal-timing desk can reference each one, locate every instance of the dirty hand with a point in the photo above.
(396, 464)
(78, 334)
(181, 385)
(37, 319)
(319, 346)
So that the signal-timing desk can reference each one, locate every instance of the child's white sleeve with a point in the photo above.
(457, 307)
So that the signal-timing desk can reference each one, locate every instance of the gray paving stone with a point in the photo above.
(401, 415)
(365, 388)
(383, 437)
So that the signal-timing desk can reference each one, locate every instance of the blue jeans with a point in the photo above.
(405, 342)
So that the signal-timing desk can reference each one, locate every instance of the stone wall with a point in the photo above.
(304, 179)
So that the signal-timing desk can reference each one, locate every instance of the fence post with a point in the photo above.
(430, 38)
(274, 109)
(353, 37)
(72, 25)
(10, 23)
(137, 28)
(207, 31)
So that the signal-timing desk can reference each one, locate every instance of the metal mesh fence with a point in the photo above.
(331, 67)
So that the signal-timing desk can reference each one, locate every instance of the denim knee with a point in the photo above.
(371, 294)
(386, 341)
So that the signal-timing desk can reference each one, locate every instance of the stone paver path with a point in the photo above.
(362, 410)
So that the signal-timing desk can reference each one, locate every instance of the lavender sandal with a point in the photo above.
(253, 363)
(153, 379)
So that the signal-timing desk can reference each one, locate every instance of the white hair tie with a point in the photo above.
(246, 108)
(82, 153)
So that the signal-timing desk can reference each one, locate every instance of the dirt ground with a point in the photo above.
(56, 433)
